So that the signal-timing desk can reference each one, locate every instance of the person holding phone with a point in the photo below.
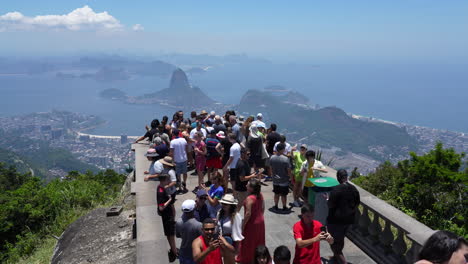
(206, 248)
(244, 174)
(308, 233)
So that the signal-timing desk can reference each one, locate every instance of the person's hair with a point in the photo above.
(208, 220)
(280, 147)
(282, 253)
(307, 208)
(175, 116)
(262, 252)
(182, 127)
(440, 246)
(232, 136)
(232, 212)
(310, 154)
(193, 114)
(248, 121)
(282, 138)
(163, 177)
(164, 120)
(256, 187)
(155, 123)
(218, 176)
(199, 134)
(273, 127)
(232, 119)
(341, 175)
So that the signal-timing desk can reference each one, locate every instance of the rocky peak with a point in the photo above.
(179, 81)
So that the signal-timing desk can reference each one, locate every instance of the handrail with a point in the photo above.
(388, 244)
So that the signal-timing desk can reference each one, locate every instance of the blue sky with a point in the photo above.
(338, 31)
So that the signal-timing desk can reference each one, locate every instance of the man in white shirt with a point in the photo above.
(258, 121)
(234, 156)
(179, 149)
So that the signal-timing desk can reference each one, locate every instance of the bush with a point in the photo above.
(30, 209)
(432, 188)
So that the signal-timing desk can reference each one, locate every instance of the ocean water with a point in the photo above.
(427, 95)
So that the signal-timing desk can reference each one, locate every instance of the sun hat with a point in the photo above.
(188, 206)
(203, 112)
(167, 161)
(151, 153)
(212, 113)
(228, 199)
(221, 134)
(201, 192)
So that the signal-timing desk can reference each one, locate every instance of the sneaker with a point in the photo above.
(296, 204)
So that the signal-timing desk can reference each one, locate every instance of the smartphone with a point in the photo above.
(324, 229)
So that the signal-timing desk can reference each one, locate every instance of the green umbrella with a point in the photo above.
(324, 181)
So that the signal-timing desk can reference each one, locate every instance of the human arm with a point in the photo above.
(213, 201)
(151, 176)
(307, 242)
(247, 212)
(163, 206)
(219, 148)
(140, 139)
(225, 245)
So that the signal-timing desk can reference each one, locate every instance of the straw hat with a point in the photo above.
(167, 161)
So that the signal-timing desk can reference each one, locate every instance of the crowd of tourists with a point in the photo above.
(233, 157)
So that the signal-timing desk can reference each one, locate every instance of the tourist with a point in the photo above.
(288, 148)
(282, 255)
(211, 117)
(166, 211)
(245, 129)
(226, 144)
(214, 150)
(209, 126)
(161, 148)
(444, 247)
(215, 193)
(310, 168)
(206, 248)
(200, 158)
(262, 255)
(255, 147)
(164, 134)
(179, 149)
(230, 226)
(168, 168)
(259, 120)
(155, 167)
(193, 117)
(187, 228)
(281, 173)
(244, 175)
(234, 156)
(201, 209)
(308, 233)
(253, 226)
(342, 207)
(151, 132)
(272, 138)
(218, 125)
(198, 128)
(236, 130)
(299, 158)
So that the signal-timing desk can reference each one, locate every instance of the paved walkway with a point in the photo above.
(151, 243)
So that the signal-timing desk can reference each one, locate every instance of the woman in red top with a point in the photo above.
(253, 227)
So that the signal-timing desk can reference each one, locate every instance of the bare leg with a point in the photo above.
(337, 248)
(172, 243)
(276, 199)
(283, 200)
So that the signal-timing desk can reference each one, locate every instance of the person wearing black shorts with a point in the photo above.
(281, 171)
(166, 211)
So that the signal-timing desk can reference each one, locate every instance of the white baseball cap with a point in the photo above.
(259, 115)
(188, 206)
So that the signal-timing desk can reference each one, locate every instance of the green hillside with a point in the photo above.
(329, 126)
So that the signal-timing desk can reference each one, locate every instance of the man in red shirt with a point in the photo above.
(308, 234)
(206, 248)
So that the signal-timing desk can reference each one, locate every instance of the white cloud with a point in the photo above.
(80, 19)
(138, 27)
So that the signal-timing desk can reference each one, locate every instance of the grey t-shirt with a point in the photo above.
(280, 165)
(188, 230)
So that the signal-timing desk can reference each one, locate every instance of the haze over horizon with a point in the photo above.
(313, 32)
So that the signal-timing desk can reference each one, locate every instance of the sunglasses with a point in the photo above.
(202, 198)
(209, 229)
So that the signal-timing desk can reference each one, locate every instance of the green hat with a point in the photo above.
(324, 181)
